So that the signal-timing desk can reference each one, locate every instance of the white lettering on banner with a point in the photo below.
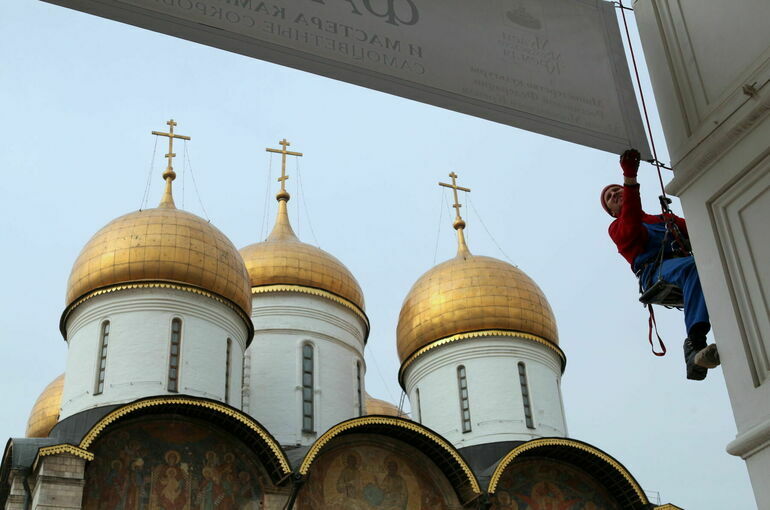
(556, 67)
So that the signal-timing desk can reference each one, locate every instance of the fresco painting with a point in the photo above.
(163, 463)
(373, 477)
(545, 484)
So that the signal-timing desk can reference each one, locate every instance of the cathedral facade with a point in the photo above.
(200, 376)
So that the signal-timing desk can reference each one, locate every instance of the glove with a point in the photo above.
(629, 162)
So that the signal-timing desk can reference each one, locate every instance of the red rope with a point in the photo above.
(651, 322)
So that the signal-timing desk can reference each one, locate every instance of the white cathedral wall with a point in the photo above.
(138, 348)
(284, 322)
(710, 68)
(494, 391)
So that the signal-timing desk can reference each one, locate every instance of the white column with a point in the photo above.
(139, 348)
(495, 395)
(284, 322)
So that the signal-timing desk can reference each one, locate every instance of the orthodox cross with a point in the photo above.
(455, 187)
(283, 152)
(171, 135)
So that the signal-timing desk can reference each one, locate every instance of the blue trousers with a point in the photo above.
(682, 272)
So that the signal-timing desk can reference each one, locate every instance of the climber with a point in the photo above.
(645, 241)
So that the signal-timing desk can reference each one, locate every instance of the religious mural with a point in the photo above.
(546, 484)
(164, 463)
(381, 475)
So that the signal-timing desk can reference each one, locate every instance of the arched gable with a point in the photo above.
(441, 453)
(579, 459)
(240, 425)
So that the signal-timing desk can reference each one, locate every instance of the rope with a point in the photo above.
(446, 203)
(655, 161)
(299, 231)
(267, 195)
(184, 166)
(302, 194)
(449, 208)
(440, 216)
(195, 184)
(470, 201)
(149, 176)
(379, 373)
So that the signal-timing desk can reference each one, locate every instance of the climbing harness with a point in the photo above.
(655, 290)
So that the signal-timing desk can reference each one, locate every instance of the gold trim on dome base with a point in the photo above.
(479, 334)
(157, 285)
(65, 448)
(536, 443)
(263, 289)
(330, 434)
(115, 415)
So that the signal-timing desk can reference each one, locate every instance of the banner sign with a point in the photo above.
(555, 67)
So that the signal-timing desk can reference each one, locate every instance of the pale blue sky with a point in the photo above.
(79, 96)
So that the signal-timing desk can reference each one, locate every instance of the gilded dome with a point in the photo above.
(45, 412)
(282, 259)
(161, 245)
(377, 406)
(469, 294)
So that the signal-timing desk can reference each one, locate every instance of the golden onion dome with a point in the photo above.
(377, 406)
(282, 262)
(162, 247)
(470, 296)
(45, 412)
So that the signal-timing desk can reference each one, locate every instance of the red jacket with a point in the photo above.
(628, 230)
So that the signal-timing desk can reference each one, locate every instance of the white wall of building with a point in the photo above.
(138, 348)
(495, 396)
(284, 322)
(710, 69)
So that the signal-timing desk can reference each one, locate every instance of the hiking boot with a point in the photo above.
(691, 348)
(708, 357)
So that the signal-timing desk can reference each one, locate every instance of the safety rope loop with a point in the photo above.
(652, 323)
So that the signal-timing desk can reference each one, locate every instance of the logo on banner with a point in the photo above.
(394, 12)
(522, 17)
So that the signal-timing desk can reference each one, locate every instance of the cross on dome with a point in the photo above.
(169, 175)
(458, 223)
(283, 194)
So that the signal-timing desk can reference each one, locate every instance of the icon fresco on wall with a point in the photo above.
(540, 484)
(373, 477)
(162, 463)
